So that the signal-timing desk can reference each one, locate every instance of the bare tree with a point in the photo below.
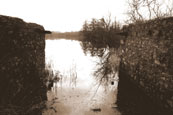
(134, 10)
(169, 8)
(140, 10)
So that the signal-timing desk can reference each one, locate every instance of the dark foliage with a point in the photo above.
(100, 34)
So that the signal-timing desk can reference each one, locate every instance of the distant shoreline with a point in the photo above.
(56, 38)
(66, 35)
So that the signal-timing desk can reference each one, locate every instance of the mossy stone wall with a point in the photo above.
(147, 56)
(22, 62)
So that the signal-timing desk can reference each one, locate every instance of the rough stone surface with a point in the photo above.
(22, 62)
(147, 58)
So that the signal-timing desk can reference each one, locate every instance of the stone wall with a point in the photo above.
(147, 57)
(22, 63)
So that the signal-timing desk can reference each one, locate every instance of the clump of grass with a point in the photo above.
(51, 76)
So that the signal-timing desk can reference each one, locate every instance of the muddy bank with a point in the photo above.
(22, 63)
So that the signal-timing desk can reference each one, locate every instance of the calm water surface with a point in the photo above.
(77, 92)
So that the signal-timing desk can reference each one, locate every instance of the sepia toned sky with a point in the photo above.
(63, 15)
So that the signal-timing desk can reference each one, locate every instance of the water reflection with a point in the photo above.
(78, 91)
(107, 71)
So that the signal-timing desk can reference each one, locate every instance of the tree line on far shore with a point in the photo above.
(105, 33)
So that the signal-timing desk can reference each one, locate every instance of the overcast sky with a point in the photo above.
(62, 15)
